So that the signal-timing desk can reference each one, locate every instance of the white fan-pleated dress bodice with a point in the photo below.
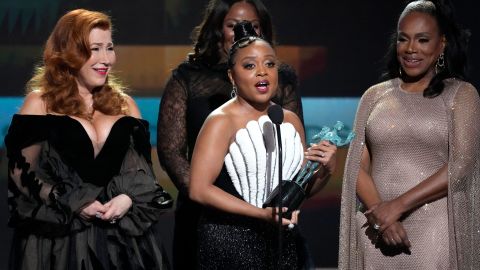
(252, 160)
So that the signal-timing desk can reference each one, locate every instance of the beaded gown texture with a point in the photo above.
(229, 241)
(409, 138)
(53, 173)
(193, 91)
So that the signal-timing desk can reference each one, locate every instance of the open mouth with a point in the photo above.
(262, 86)
(411, 62)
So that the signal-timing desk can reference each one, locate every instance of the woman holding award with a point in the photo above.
(415, 162)
(196, 88)
(233, 170)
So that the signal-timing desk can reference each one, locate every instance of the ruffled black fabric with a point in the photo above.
(53, 174)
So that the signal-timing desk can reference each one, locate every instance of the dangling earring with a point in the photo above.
(234, 91)
(440, 65)
(400, 72)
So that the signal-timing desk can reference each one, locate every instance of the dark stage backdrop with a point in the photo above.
(336, 47)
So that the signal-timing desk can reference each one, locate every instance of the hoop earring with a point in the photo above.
(234, 91)
(440, 65)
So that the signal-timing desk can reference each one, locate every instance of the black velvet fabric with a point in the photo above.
(53, 173)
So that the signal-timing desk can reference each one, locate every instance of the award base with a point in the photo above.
(292, 197)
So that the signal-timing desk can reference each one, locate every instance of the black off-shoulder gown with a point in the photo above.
(53, 173)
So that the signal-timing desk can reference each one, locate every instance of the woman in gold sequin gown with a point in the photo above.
(414, 165)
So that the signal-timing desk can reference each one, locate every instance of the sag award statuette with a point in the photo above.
(293, 191)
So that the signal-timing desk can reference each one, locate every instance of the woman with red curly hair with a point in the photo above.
(82, 193)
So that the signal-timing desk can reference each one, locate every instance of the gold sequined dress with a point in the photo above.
(411, 137)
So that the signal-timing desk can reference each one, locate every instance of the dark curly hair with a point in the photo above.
(455, 52)
(208, 35)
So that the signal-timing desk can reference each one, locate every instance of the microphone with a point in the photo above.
(275, 113)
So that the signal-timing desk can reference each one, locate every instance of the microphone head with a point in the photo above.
(275, 112)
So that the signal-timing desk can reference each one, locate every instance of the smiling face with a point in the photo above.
(255, 72)
(240, 11)
(95, 70)
(419, 45)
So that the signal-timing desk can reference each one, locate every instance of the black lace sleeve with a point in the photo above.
(172, 142)
(288, 95)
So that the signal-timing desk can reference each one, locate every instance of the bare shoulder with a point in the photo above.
(292, 118)
(33, 104)
(222, 117)
(133, 109)
(219, 121)
(219, 127)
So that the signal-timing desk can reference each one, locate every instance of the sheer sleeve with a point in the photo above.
(44, 193)
(24, 175)
(288, 95)
(465, 130)
(172, 145)
(348, 250)
(464, 176)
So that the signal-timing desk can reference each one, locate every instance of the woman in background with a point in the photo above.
(196, 88)
(82, 193)
(414, 164)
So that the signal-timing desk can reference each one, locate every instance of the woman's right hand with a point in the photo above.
(384, 213)
(92, 210)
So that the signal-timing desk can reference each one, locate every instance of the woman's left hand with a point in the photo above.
(324, 153)
(117, 208)
(294, 219)
(385, 214)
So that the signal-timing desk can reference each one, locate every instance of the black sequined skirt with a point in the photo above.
(228, 241)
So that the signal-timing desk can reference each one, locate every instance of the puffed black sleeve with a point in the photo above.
(44, 193)
(137, 180)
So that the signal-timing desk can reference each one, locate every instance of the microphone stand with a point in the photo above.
(280, 206)
(275, 113)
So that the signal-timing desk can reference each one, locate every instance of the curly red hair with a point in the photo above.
(65, 52)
